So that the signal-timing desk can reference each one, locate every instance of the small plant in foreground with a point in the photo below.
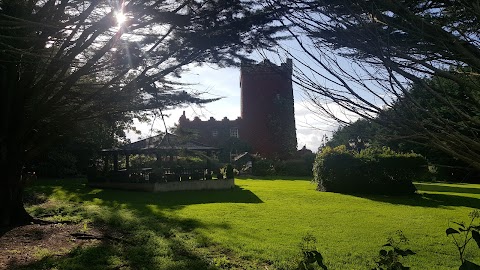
(222, 262)
(40, 253)
(310, 255)
(85, 227)
(392, 252)
(465, 233)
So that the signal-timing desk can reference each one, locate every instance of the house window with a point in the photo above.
(215, 133)
(234, 132)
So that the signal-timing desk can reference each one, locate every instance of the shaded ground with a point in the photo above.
(71, 246)
(119, 231)
(24, 245)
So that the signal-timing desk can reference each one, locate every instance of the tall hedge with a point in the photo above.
(371, 171)
(294, 167)
(263, 167)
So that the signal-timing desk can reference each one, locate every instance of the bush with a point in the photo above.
(56, 163)
(263, 167)
(192, 162)
(293, 167)
(371, 171)
(142, 161)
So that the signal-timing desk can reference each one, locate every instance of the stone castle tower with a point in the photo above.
(267, 107)
(267, 123)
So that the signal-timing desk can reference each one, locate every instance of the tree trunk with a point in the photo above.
(12, 151)
(12, 211)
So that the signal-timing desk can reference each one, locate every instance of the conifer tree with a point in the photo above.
(65, 61)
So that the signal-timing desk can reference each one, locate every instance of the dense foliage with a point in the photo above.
(362, 58)
(291, 167)
(64, 62)
(391, 128)
(370, 171)
(263, 167)
(77, 149)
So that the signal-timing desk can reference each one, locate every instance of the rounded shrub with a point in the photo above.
(293, 167)
(370, 171)
(263, 167)
(336, 169)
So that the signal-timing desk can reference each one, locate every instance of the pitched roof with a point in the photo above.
(244, 155)
(161, 142)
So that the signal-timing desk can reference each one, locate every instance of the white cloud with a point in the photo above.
(312, 126)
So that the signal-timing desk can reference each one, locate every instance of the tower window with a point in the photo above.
(234, 132)
(214, 133)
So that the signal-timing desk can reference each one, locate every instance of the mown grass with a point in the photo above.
(259, 223)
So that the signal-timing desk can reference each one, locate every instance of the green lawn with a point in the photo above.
(259, 223)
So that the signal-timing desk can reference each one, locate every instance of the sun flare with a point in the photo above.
(120, 17)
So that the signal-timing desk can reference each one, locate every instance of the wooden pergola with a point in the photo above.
(168, 145)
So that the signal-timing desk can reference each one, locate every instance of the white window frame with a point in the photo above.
(234, 132)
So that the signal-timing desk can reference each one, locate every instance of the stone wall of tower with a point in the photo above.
(267, 107)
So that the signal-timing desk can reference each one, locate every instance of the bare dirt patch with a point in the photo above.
(27, 244)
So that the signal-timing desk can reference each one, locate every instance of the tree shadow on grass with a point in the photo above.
(148, 203)
(149, 240)
(434, 195)
(439, 187)
(274, 177)
(171, 254)
(177, 198)
(427, 200)
(72, 191)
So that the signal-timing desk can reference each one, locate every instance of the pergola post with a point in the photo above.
(115, 162)
(127, 161)
(158, 156)
(106, 164)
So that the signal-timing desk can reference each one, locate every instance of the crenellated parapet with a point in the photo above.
(213, 132)
(266, 67)
(183, 120)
